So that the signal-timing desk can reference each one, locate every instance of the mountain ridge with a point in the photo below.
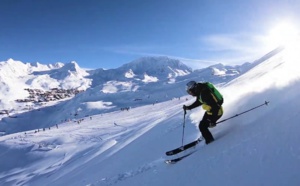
(103, 88)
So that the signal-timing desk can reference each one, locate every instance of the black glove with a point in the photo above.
(212, 124)
(185, 107)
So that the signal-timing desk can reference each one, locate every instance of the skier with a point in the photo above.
(211, 100)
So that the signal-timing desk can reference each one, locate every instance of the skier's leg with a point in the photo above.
(203, 127)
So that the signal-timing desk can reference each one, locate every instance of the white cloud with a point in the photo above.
(234, 48)
(231, 42)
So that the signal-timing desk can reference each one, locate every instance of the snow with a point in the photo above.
(117, 86)
(96, 105)
(129, 74)
(149, 79)
(128, 147)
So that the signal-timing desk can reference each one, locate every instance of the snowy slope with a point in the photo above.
(127, 147)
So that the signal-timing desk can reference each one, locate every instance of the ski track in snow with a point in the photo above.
(131, 173)
(153, 166)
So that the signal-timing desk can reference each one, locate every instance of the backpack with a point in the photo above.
(215, 92)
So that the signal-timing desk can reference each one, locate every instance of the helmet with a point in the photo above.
(191, 87)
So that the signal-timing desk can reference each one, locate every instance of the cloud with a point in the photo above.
(230, 42)
(140, 50)
(144, 51)
(195, 63)
(234, 48)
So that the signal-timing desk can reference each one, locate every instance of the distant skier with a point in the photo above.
(211, 100)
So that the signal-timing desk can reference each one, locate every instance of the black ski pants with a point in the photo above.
(204, 124)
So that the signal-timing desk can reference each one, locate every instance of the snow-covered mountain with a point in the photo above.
(126, 147)
(17, 76)
(144, 70)
(144, 81)
(69, 76)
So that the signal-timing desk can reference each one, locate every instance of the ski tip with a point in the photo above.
(168, 162)
(173, 161)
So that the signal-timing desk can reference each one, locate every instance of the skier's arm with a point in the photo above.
(193, 105)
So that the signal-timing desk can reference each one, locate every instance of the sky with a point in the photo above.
(110, 33)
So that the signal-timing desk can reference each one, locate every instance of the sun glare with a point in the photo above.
(283, 34)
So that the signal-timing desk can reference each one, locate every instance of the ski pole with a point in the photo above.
(266, 103)
(183, 126)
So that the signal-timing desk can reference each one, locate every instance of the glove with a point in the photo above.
(211, 124)
(185, 107)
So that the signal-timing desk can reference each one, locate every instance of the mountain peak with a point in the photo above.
(68, 69)
(72, 66)
(155, 65)
(157, 61)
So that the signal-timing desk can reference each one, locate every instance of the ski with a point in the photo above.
(183, 148)
(173, 161)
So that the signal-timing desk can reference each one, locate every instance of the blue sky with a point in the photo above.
(110, 33)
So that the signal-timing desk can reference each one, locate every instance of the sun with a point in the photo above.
(283, 34)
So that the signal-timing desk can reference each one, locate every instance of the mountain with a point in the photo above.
(143, 70)
(76, 93)
(15, 76)
(126, 147)
(18, 78)
(69, 76)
